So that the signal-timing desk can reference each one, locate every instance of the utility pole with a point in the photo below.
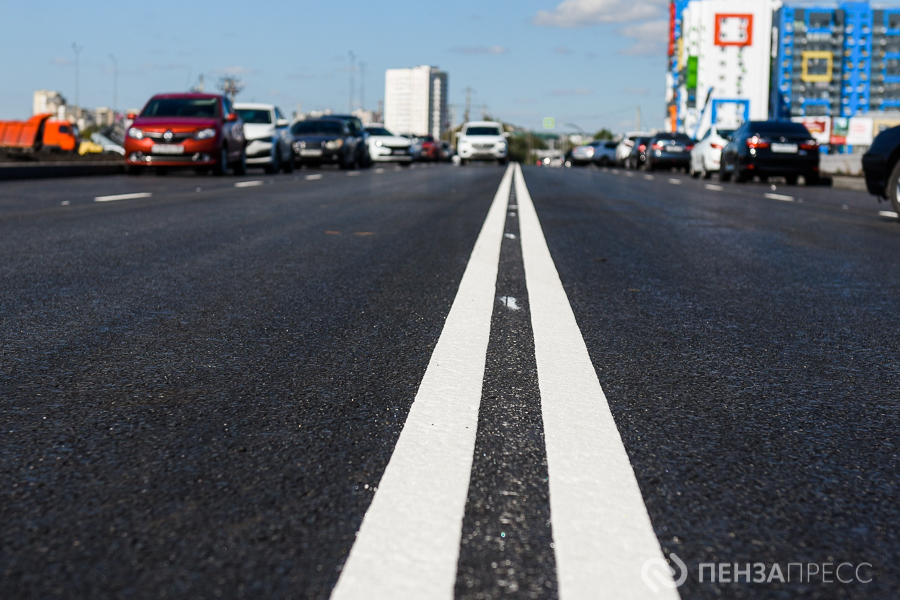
(362, 85)
(115, 84)
(77, 50)
(638, 118)
(468, 103)
(352, 83)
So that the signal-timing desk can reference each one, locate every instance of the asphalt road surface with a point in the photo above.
(447, 383)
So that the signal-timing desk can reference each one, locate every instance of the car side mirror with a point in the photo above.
(281, 123)
(231, 117)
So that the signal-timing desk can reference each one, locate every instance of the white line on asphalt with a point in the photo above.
(629, 174)
(615, 171)
(353, 174)
(888, 213)
(674, 181)
(64, 203)
(779, 197)
(601, 529)
(509, 302)
(407, 547)
(648, 177)
(122, 197)
(243, 184)
(314, 177)
(379, 171)
(714, 187)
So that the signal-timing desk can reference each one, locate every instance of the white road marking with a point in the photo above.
(122, 197)
(379, 171)
(509, 302)
(615, 171)
(353, 174)
(243, 184)
(888, 213)
(629, 174)
(779, 197)
(407, 547)
(65, 203)
(601, 529)
(649, 177)
(674, 181)
(714, 187)
(314, 177)
(510, 236)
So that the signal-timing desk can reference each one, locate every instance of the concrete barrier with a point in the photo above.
(59, 169)
(840, 164)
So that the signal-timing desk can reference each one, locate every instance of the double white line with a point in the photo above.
(408, 545)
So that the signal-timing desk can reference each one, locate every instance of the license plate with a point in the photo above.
(310, 153)
(167, 149)
(674, 149)
(785, 148)
(401, 151)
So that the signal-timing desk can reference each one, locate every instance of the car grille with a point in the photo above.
(482, 146)
(176, 137)
(309, 145)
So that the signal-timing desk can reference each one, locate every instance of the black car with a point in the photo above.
(881, 165)
(771, 148)
(669, 150)
(360, 135)
(318, 141)
(638, 155)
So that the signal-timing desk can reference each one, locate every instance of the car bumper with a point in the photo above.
(259, 152)
(195, 153)
(794, 165)
(388, 154)
(875, 171)
(670, 158)
(487, 154)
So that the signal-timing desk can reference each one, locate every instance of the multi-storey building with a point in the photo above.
(415, 101)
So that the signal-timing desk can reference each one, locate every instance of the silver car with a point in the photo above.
(268, 138)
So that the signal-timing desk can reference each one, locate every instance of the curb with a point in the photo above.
(42, 171)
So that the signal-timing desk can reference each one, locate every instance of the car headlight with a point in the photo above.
(134, 132)
(379, 143)
(334, 144)
(205, 134)
(501, 145)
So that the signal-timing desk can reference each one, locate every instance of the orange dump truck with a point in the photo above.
(40, 132)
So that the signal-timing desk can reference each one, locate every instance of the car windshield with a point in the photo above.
(317, 128)
(483, 131)
(725, 133)
(257, 116)
(779, 127)
(378, 131)
(182, 107)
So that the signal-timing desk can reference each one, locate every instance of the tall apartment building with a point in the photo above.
(415, 101)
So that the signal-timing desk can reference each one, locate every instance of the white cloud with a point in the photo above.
(480, 50)
(652, 38)
(583, 13)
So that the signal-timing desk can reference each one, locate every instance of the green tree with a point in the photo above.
(604, 134)
(522, 144)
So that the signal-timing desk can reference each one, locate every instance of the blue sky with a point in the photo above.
(587, 63)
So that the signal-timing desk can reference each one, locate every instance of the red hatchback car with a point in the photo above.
(201, 131)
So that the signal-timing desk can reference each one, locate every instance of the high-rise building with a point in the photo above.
(415, 101)
(47, 101)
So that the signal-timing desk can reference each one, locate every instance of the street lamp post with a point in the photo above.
(115, 84)
(77, 50)
(352, 83)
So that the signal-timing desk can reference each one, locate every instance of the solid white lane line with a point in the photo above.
(674, 181)
(243, 184)
(379, 171)
(122, 197)
(353, 174)
(314, 177)
(888, 213)
(714, 187)
(601, 529)
(407, 547)
(780, 197)
(649, 177)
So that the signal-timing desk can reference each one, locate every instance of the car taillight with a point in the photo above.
(642, 147)
(689, 147)
(716, 146)
(757, 142)
(658, 146)
(809, 145)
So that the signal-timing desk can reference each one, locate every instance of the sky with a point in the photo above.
(586, 63)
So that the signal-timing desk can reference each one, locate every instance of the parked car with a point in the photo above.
(707, 152)
(881, 166)
(318, 141)
(431, 148)
(771, 148)
(598, 152)
(268, 138)
(201, 131)
(360, 138)
(482, 140)
(669, 150)
(447, 151)
(384, 146)
(623, 149)
(637, 158)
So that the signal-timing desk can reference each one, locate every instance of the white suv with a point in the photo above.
(482, 140)
(268, 138)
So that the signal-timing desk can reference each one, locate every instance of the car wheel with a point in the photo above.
(724, 175)
(240, 167)
(811, 179)
(893, 187)
(222, 165)
(791, 179)
(693, 172)
(742, 177)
